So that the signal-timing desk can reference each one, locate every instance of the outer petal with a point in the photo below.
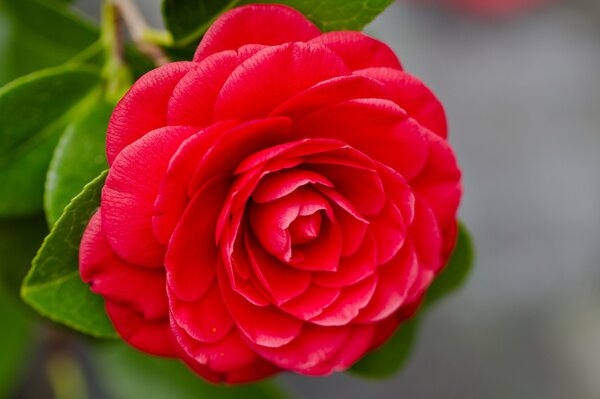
(130, 191)
(151, 336)
(348, 304)
(139, 288)
(206, 320)
(258, 370)
(329, 92)
(358, 50)
(144, 107)
(262, 82)
(413, 96)
(357, 344)
(316, 345)
(173, 196)
(192, 257)
(264, 326)
(440, 186)
(395, 279)
(254, 24)
(228, 354)
(378, 128)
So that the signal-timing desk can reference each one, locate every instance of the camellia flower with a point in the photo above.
(282, 202)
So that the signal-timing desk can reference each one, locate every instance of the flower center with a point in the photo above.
(305, 228)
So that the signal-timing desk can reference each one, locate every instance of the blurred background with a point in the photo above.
(521, 85)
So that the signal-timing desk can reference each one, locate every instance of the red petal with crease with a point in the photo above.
(192, 256)
(206, 320)
(413, 96)
(273, 75)
(322, 254)
(316, 345)
(236, 144)
(223, 356)
(280, 184)
(144, 107)
(100, 267)
(151, 336)
(173, 197)
(264, 326)
(130, 191)
(395, 280)
(358, 50)
(193, 99)
(440, 186)
(362, 187)
(357, 344)
(349, 303)
(329, 92)
(282, 281)
(311, 302)
(378, 128)
(352, 269)
(389, 230)
(255, 24)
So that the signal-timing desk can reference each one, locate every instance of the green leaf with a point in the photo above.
(14, 341)
(36, 34)
(456, 272)
(187, 20)
(19, 241)
(392, 356)
(78, 158)
(53, 286)
(34, 111)
(125, 373)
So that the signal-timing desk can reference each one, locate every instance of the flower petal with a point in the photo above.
(144, 107)
(311, 302)
(440, 186)
(378, 128)
(395, 280)
(173, 198)
(139, 288)
(192, 257)
(255, 24)
(347, 306)
(151, 336)
(353, 268)
(206, 320)
(413, 96)
(316, 345)
(358, 50)
(282, 281)
(263, 326)
(130, 191)
(327, 93)
(262, 82)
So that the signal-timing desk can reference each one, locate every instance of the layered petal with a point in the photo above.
(255, 24)
(411, 95)
(273, 75)
(359, 51)
(144, 107)
(130, 191)
(144, 291)
(151, 336)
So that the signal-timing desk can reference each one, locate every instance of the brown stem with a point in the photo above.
(137, 25)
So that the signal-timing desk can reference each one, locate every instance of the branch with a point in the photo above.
(137, 27)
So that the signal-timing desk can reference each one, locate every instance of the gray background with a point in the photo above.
(523, 100)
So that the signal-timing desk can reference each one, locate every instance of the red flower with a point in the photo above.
(281, 202)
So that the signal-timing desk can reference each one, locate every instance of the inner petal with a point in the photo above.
(305, 228)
